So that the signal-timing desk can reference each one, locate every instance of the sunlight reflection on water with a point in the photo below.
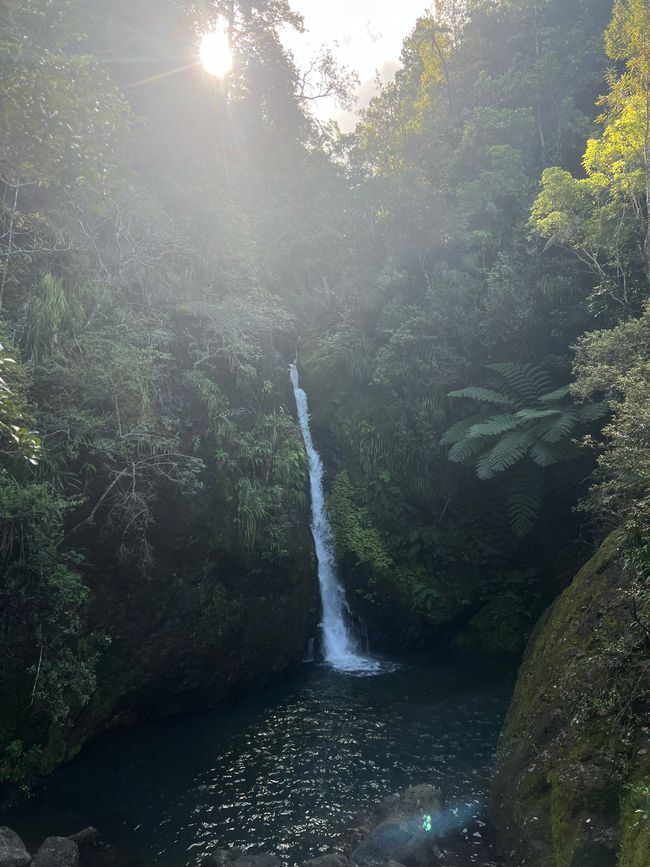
(284, 771)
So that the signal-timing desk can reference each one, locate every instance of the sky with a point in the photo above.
(366, 35)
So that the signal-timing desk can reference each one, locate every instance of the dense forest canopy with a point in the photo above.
(465, 279)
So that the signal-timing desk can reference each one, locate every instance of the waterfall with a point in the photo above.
(339, 645)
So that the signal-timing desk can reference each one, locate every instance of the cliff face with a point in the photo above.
(222, 607)
(203, 628)
(573, 767)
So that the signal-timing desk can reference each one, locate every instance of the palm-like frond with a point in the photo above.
(557, 394)
(547, 454)
(494, 425)
(525, 381)
(465, 449)
(540, 425)
(528, 414)
(524, 499)
(460, 430)
(591, 412)
(507, 451)
(553, 430)
(483, 395)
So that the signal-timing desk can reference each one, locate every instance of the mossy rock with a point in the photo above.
(635, 842)
(571, 743)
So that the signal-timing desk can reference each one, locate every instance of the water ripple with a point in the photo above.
(284, 771)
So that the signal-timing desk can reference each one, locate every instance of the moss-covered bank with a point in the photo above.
(573, 764)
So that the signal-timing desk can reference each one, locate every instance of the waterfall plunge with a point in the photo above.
(339, 645)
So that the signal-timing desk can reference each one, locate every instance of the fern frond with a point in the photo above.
(524, 499)
(525, 380)
(484, 395)
(590, 412)
(558, 428)
(547, 454)
(459, 430)
(506, 451)
(494, 425)
(558, 394)
(465, 449)
(528, 414)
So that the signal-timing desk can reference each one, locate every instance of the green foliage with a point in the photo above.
(354, 530)
(18, 440)
(269, 465)
(616, 365)
(139, 266)
(603, 217)
(538, 427)
(48, 666)
(155, 284)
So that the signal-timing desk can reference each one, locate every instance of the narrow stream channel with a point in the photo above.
(284, 771)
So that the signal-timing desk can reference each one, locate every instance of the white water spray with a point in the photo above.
(340, 648)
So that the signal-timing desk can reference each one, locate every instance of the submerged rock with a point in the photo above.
(221, 857)
(57, 852)
(332, 860)
(235, 858)
(408, 828)
(12, 849)
(86, 837)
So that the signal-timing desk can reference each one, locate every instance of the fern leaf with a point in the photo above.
(591, 412)
(553, 396)
(459, 430)
(464, 450)
(493, 425)
(506, 451)
(558, 428)
(528, 414)
(524, 499)
(547, 454)
(526, 381)
(484, 395)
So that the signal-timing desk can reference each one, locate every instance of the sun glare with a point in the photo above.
(215, 53)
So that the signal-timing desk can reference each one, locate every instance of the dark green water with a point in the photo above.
(286, 770)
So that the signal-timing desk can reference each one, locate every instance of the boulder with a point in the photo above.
(57, 852)
(12, 850)
(573, 760)
(408, 827)
(86, 837)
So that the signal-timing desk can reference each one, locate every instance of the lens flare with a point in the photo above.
(215, 53)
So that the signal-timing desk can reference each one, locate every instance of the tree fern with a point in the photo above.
(524, 498)
(495, 424)
(523, 426)
(525, 381)
(464, 449)
(459, 430)
(485, 395)
(547, 454)
(504, 453)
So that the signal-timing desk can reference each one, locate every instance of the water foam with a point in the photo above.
(340, 648)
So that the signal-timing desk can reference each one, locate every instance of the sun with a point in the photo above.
(215, 53)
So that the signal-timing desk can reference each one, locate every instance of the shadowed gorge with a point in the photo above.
(310, 437)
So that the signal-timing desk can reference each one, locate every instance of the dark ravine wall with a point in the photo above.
(210, 621)
(194, 637)
(573, 760)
